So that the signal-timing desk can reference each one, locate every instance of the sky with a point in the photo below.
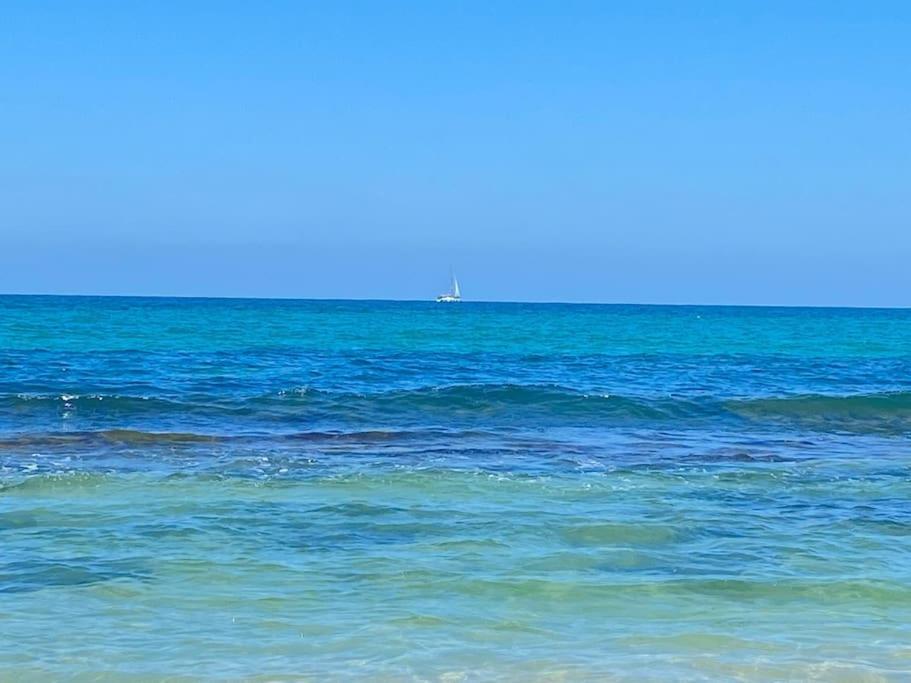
(635, 152)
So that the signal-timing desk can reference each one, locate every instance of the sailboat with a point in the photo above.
(454, 295)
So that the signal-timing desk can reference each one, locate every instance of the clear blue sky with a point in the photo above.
(704, 152)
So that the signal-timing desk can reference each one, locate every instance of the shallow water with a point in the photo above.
(288, 490)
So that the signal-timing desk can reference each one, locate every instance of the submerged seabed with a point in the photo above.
(287, 490)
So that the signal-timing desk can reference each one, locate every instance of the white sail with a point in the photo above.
(454, 294)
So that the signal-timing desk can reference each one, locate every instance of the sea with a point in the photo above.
(288, 490)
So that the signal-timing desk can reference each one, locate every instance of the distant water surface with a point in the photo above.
(197, 489)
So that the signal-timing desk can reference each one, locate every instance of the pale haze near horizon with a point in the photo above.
(616, 152)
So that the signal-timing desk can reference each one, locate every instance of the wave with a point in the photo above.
(90, 402)
(453, 399)
(493, 399)
(888, 411)
(441, 406)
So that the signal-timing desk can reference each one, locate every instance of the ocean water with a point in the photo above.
(297, 490)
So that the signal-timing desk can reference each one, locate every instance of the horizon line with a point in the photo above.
(218, 297)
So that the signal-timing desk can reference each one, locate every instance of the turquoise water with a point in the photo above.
(291, 490)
